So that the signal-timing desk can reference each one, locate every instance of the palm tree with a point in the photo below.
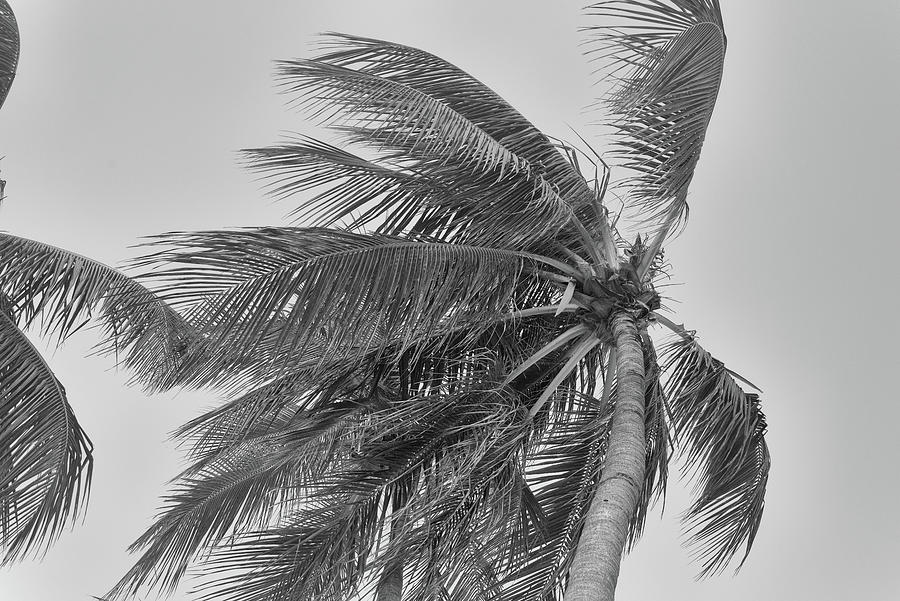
(9, 57)
(45, 456)
(9, 49)
(444, 384)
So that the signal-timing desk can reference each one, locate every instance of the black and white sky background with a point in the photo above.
(124, 121)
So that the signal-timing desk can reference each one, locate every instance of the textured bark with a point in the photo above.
(595, 568)
(390, 585)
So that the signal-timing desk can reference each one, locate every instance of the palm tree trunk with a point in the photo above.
(390, 583)
(595, 568)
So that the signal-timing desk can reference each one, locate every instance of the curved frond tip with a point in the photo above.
(668, 58)
(45, 456)
(9, 50)
(61, 291)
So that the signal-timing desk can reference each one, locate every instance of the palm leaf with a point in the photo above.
(672, 54)
(467, 507)
(563, 468)
(277, 446)
(307, 164)
(497, 510)
(455, 442)
(467, 513)
(263, 409)
(260, 457)
(61, 291)
(45, 456)
(324, 550)
(341, 96)
(377, 93)
(722, 428)
(486, 511)
(352, 292)
(245, 485)
(466, 95)
(236, 370)
(318, 368)
(202, 363)
(9, 49)
(321, 555)
(429, 196)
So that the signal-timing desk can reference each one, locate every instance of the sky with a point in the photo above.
(125, 118)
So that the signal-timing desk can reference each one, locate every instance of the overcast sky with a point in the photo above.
(125, 117)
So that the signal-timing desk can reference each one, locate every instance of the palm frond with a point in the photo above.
(202, 363)
(496, 510)
(265, 455)
(245, 485)
(469, 510)
(426, 196)
(722, 428)
(341, 96)
(320, 555)
(262, 454)
(61, 291)
(307, 163)
(467, 96)
(9, 49)
(470, 573)
(671, 53)
(271, 451)
(468, 518)
(457, 448)
(351, 292)
(378, 93)
(236, 370)
(332, 537)
(552, 346)
(45, 456)
(563, 468)
(264, 409)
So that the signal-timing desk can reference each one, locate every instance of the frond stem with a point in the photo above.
(591, 244)
(689, 336)
(545, 310)
(567, 269)
(578, 353)
(674, 327)
(548, 348)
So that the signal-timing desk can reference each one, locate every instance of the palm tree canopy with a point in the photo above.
(433, 340)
